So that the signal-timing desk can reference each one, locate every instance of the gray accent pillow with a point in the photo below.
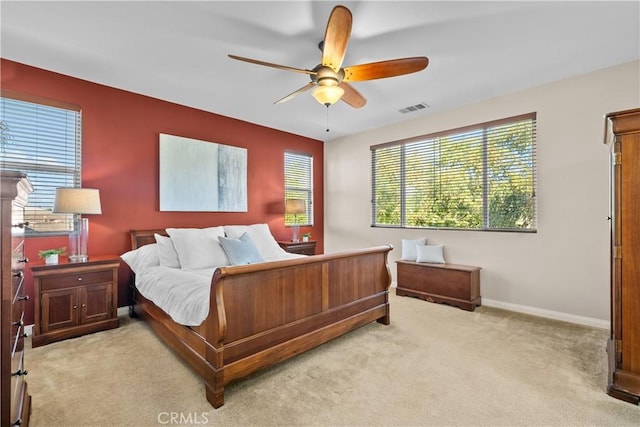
(240, 251)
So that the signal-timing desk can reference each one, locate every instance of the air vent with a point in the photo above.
(412, 108)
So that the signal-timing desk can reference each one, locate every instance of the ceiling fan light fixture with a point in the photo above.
(327, 95)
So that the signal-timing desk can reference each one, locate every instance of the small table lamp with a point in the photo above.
(78, 201)
(295, 207)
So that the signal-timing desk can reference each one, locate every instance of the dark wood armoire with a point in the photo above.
(623, 348)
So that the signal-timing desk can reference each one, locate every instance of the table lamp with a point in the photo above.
(295, 207)
(78, 201)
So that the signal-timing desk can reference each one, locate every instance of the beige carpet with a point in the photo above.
(434, 365)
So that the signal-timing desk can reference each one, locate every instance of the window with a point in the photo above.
(43, 141)
(480, 177)
(298, 184)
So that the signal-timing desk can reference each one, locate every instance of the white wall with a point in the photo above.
(561, 271)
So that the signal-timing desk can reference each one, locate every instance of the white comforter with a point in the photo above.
(182, 294)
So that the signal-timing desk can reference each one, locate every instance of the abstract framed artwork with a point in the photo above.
(202, 176)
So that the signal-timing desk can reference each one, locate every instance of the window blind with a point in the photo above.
(477, 177)
(43, 141)
(298, 177)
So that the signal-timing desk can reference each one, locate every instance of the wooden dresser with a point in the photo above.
(15, 402)
(623, 135)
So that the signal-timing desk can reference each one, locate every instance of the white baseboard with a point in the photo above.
(541, 312)
(549, 314)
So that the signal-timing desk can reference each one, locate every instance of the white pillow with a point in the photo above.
(167, 252)
(142, 258)
(431, 253)
(409, 250)
(263, 239)
(198, 248)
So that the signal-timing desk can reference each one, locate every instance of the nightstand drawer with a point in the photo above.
(75, 279)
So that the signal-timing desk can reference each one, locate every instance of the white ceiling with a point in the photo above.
(177, 51)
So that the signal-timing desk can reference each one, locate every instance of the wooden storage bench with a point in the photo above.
(457, 285)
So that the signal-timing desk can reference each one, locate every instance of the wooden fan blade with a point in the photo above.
(336, 38)
(383, 69)
(269, 64)
(351, 96)
(296, 93)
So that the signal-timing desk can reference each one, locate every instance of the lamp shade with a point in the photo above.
(77, 200)
(294, 206)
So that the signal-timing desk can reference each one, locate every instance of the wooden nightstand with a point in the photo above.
(73, 299)
(302, 248)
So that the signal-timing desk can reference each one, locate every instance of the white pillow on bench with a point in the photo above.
(409, 248)
(430, 253)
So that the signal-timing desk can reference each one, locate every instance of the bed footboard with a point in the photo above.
(262, 314)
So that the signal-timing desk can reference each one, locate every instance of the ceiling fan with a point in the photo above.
(329, 80)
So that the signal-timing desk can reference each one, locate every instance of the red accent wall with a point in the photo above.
(120, 133)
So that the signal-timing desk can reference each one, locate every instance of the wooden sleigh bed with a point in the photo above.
(262, 314)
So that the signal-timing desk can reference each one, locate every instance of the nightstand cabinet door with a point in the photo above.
(96, 302)
(59, 309)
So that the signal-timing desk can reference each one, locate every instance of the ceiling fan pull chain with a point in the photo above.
(327, 117)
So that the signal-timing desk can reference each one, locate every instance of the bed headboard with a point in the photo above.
(144, 237)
